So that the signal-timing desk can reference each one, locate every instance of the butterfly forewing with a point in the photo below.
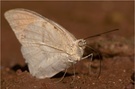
(40, 28)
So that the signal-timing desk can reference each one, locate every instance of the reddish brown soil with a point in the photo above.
(82, 19)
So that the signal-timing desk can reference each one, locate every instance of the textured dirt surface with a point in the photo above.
(82, 19)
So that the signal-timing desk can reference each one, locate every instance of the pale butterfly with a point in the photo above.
(47, 47)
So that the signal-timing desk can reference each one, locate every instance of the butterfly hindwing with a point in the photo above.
(44, 61)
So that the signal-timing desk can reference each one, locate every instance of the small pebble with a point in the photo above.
(120, 80)
(19, 72)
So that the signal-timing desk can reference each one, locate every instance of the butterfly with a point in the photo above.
(47, 47)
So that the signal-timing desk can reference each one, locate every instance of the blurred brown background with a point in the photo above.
(80, 18)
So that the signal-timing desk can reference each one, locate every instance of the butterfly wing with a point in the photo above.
(44, 61)
(29, 27)
(45, 44)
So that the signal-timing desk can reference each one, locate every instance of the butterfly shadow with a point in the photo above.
(19, 67)
(61, 74)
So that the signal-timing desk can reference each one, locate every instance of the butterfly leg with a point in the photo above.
(74, 74)
(66, 72)
(88, 56)
(62, 76)
(90, 64)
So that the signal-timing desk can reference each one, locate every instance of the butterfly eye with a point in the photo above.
(81, 43)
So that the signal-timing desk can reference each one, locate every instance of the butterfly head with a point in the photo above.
(81, 43)
(78, 50)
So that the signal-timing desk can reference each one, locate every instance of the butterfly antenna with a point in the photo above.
(99, 58)
(101, 34)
